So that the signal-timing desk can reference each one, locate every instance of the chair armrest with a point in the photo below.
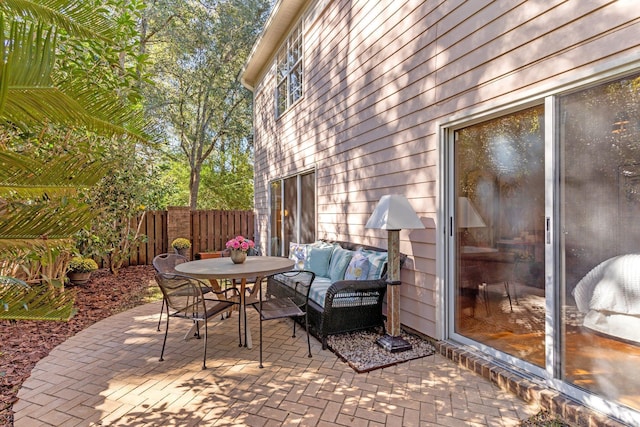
(295, 284)
(222, 295)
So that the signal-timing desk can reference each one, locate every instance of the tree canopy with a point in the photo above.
(81, 81)
(197, 50)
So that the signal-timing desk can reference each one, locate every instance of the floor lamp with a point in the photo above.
(468, 217)
(393, 213)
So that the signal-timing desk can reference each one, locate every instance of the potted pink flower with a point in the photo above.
(239, 246)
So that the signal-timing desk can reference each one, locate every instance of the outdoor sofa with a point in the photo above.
(347, 291)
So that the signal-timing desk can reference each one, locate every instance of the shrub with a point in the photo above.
(82, 265)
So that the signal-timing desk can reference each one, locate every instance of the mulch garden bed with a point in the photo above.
(24, 343)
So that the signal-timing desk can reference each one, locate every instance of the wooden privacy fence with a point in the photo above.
(208, 230)
(211, 230)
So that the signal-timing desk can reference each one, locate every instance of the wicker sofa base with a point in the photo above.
(350, 305)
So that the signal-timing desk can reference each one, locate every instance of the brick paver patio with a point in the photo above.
(109, 374)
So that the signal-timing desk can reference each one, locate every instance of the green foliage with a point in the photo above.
(226, 183)
(173, 179)
(45, 103)
(120, 201)
(38, 262)
(198, 101)
(227, 180)
(79, 264)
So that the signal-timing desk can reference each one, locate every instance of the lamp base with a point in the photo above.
(393, 344)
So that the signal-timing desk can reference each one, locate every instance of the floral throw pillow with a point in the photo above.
(377, 263)
(298, 253)
(358, 268)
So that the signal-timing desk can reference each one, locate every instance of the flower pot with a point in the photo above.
(238, 257)
(79, 278)
(182, 251)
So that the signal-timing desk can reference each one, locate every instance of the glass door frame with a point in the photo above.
(551, 374)
(449, 192)
(299, 205)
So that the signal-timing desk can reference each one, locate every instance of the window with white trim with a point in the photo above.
(289, 72)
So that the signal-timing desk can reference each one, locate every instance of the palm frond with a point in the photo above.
(30, 178)
(107, 107)
(28, 95)
(76, 17)
(9, 246)
(46, 220)
(18, 301)
(26, 106)
(33, 45)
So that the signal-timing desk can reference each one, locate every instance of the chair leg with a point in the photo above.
(239, 326)
(244, 309)
(161, 311)
(260, 365)
(164, 343)
(197, 334)
(506, 287)
(206, 335)
(482, 288)
(260, 316)
(306, 324)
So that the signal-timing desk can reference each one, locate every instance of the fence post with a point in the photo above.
(178, 225)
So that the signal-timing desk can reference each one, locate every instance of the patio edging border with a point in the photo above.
(528, 390)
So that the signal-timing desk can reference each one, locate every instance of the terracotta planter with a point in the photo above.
(207, 255)
(238, 257)
(78, 278)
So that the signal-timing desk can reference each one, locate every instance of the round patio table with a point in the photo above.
(259, 267)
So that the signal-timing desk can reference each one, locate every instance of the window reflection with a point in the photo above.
(500, 220)
(289, 71)
(600, 193)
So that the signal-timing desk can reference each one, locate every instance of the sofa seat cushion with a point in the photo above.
(319, 289)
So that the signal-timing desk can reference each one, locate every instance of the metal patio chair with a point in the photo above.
(293, 304)
(184, 298)
(166, 264)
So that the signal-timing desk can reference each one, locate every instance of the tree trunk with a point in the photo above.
(194, 186)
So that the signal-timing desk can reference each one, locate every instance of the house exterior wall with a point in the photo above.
(379, 80)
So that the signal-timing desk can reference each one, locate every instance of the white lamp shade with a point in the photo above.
(468, 216)
(394, 212)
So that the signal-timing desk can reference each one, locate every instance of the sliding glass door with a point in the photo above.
(499, 193)
(545, 243)
(293, 212)
(600, 247)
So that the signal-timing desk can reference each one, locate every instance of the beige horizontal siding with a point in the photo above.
(381, 76)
